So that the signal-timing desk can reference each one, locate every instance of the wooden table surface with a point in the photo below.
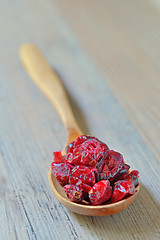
(108, 56)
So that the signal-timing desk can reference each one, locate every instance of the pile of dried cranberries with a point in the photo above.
(90, 171)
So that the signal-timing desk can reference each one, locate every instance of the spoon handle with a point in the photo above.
(50, 84)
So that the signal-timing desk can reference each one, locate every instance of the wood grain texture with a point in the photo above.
(30, 129)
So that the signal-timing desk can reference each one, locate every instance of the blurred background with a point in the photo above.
(121, 40)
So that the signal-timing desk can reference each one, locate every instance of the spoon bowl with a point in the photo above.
(89, 210)
(86, 208)
(50, 84)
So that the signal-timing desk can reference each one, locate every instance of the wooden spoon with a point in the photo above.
(50, 84)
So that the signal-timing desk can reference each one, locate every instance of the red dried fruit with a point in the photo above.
(74, 193)
(85, 188)
(135, 173)
(61, 171)
(101, 176)
(132, 176)
(100, 192)
(113, 166)
(84, 173)
(121, 189)
(100, 164)
(134, 180)
(58, 157)
(135, 176)
(69, 148)
(86, 151)
(124, 170)
(117, 195)
(80, 140)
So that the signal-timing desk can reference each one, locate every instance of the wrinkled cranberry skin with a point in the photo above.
(84, 173)
(124, 170)
(135, 173)
(61, 171)
(102, 161)
(81, 139)
(57, 156)
(74, 193)
(121, 189)
(114, 158)
(85, 188)
(117, 195)
(86, 151)
(69, 148)
(132, 177)
(114, 165)
(100, 192)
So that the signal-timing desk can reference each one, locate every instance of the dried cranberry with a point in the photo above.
(121, 189)
(61, 171)
(58, 157)
(100, 192)
(74, 193)
(73, 158)
(113, 166)
(69, 148)
(101, 163)
(85, 188)
(72, 145)
(134, 180)
(132, 176)
(80, 140)
(84, 173)
(135, 173)
(91, 152)
(87, 151)
(123, 171)
(117, 195)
